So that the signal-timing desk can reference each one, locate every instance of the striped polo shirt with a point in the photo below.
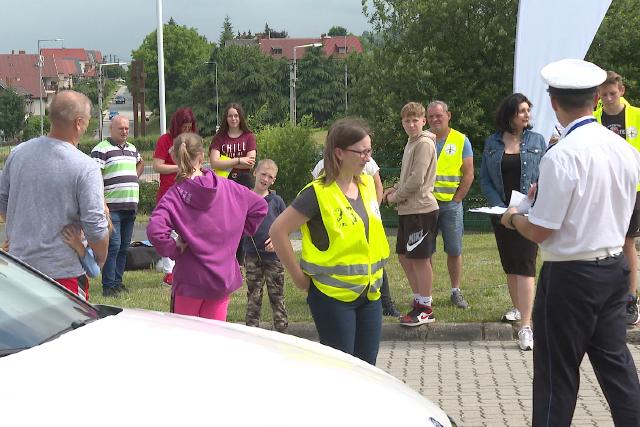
(119, 174)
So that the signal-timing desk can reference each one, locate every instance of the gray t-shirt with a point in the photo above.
(46, 184)
(307, 204)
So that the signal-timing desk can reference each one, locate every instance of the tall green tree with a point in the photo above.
(615, 46)
(337, 31)
(11, 113)
(320, 87)
(256, 81)
(184, 50)
(459, 51)
(227, 31)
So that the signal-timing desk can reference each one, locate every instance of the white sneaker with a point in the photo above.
(525, 338)
(512, 315)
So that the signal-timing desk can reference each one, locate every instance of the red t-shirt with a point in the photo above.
(162, 152)
(235, 147)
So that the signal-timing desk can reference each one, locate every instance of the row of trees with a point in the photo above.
(459, 51)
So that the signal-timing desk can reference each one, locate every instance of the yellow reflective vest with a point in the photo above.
(352, 264)
(223, 172)
(631, 123)
(449, 167)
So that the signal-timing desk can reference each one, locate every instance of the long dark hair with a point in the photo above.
(507, 110)
(224, 126)
(181, 116)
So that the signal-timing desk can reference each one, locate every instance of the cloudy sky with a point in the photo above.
(119, 26)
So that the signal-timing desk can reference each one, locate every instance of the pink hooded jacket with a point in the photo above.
(210, 214)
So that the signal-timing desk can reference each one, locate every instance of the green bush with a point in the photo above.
(32, 127)
(293, 148)
(148, 191)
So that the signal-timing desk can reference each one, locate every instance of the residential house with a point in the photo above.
(337, 47)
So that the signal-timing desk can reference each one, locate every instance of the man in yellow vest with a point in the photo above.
(617, 115)
(454, 175)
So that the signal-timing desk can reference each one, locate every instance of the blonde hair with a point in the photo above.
(342, 134)
(412, 109)
(267, 163)
(186, 149)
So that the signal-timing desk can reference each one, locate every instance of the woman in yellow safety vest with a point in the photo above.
(344, 247)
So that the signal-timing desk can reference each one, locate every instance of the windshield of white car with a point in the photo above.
(33, 309)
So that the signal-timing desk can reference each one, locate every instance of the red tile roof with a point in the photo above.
(19, 71)
(66, 53)
(283, 48)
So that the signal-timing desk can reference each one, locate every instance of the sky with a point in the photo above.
(119, 26)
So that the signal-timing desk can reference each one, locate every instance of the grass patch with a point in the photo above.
(483, 283)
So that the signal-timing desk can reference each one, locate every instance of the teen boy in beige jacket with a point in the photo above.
(417, 211)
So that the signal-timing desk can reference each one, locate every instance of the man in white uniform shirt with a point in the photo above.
(585, 197)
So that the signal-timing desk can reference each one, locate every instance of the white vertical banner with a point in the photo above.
(550, 30)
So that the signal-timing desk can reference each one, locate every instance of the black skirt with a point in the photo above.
(517, 254)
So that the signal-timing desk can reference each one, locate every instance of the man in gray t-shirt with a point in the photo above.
(47, 183)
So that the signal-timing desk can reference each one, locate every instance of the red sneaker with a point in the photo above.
(168, 279)
(419, 315)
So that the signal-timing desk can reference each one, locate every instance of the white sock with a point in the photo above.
(424, 300)
(455, 290)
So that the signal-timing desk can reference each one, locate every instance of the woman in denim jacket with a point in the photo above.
(510, 162)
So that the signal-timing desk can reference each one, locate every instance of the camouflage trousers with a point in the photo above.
(271, 273)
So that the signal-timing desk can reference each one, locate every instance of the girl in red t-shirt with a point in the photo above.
(183, 120)
(234, 140)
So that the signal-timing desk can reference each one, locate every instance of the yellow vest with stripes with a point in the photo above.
(352, 264)
(449, 167)
(631, 124)
(223, 172)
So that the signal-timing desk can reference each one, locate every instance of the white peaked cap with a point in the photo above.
(573, 75)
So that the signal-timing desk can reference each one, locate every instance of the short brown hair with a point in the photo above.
(342, 134)
(413, 109)
(613, 78)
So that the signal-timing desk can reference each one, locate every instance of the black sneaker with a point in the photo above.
(389, 309)
(122, 288)
(110, 292)
(632, 314)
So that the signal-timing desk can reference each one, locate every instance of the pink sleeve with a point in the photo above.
(159, 229)
(257, 209)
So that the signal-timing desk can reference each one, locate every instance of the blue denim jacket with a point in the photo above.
(532, 148)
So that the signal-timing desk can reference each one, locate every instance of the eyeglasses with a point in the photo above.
(363, 154)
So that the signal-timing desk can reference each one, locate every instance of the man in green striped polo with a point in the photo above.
(121, 166)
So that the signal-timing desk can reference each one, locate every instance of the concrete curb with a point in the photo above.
(490, 331)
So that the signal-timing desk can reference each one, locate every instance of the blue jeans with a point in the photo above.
(353, 327)
(119, 241)
(450, 224)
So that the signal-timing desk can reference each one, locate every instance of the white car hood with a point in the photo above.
(148, 368)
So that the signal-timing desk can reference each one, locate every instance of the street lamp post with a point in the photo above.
(40, 65)
(104, 64)
(293, 77)
(217, 100)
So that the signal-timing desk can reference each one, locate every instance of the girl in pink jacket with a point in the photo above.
(210, 215)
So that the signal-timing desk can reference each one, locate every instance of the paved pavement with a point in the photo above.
(484, 383)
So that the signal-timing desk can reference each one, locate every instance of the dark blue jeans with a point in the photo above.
(353, 327)
(119, 241)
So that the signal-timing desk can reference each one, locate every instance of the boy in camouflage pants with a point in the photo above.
(261, 262)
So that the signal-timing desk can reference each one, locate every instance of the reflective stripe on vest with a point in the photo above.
(631, 124)
(352, 264)
(449, 167)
